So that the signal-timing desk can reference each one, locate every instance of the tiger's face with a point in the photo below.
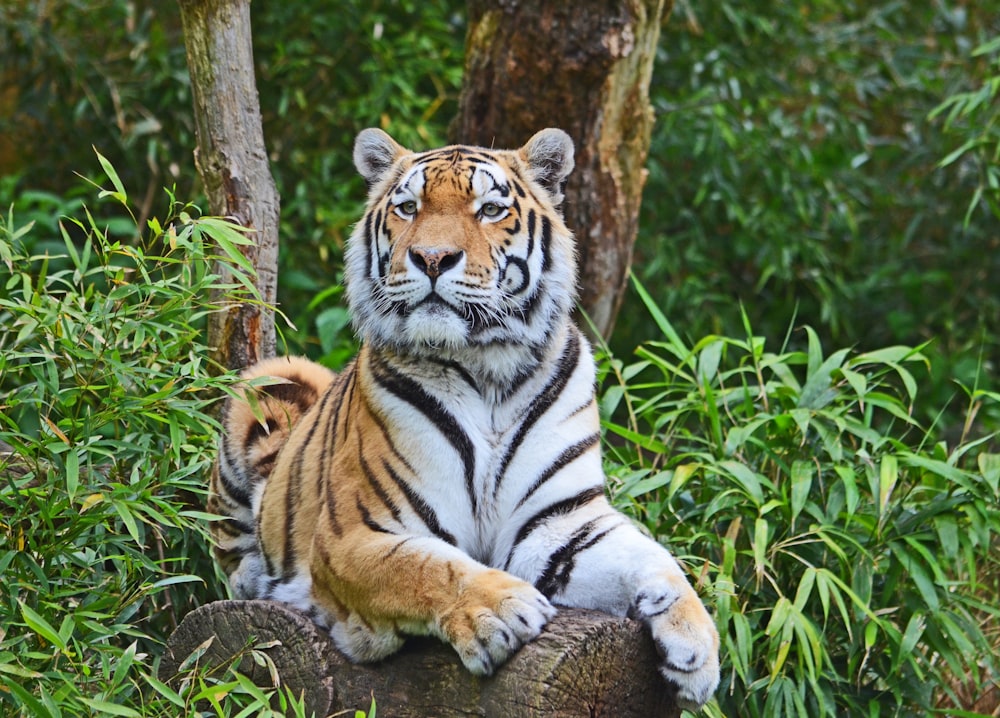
(461, 247)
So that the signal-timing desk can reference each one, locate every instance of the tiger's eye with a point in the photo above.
(409, 207)
(491, 209)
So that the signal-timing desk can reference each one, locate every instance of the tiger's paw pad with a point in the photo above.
(486, 632)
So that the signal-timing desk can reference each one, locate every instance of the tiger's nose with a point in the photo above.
(435, 261)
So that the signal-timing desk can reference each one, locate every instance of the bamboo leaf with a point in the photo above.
(802, 475)
(661, 321)
(119, 193)
(42, 627)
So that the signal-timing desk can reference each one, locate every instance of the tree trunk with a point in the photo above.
(584, 66)
(585, 663)
(232, 163)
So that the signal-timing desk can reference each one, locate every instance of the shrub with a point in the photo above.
(843, 548)
(796, 166)
(105, 418)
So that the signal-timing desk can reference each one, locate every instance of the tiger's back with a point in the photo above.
(449, 481)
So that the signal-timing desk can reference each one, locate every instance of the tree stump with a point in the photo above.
(584, 663)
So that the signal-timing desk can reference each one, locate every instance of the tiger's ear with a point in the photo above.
(549, 156)
(375, 153)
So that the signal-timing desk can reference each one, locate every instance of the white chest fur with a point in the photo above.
(486, 456)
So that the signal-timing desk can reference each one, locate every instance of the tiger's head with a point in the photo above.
(461, 247)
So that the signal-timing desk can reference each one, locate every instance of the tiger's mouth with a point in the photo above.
(437, 315)
(434, 300)
(432, 306)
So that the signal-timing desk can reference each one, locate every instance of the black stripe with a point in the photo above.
(235, 491)
(377, 487)
(233, 527)
(368, 238)
(420, 507)
(479, 159)
(293, 489)
(559, 569)
(529, 370)
(344, 390)
(582, 408)
(331, 510)
(374, 248)
(568, 456)
(538, 296)
(568, 361)
(455, 153)
(416, 502)
(272, 584)
(522, 265)
(351, 380)
(294, 390)
(367, 519)
(268, 563)
(398, 546)
(329, 440)
(233, 555)
(558, 508)
(408, 390)
(546, 243)
(531, 227)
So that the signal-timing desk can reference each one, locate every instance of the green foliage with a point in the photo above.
(107, 436)
(796, 167)
(105, 73)
(845, 549)
(225, 690)
(973, 118)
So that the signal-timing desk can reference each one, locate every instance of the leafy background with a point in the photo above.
(799, 397)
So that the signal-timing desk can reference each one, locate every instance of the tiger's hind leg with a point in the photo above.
(256, 424)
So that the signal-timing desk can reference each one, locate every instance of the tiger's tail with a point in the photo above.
(255, 427)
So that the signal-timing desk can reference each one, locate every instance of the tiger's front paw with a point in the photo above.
(685, 637)
(494, 616)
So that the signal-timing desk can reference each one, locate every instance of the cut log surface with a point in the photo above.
(585, 663)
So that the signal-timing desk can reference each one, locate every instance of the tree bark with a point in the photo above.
(585, 663)
(584, 66)
(232, 163)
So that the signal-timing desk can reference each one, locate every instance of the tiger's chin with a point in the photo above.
(434, 326)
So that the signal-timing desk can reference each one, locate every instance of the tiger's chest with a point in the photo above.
(480, 462)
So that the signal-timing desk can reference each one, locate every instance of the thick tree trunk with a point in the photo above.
(232, 162)
(584, 66)
(585, 663)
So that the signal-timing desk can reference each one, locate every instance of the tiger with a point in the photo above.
(449, 480)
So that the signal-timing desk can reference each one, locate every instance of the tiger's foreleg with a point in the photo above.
(380, 586)
(609, 565)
